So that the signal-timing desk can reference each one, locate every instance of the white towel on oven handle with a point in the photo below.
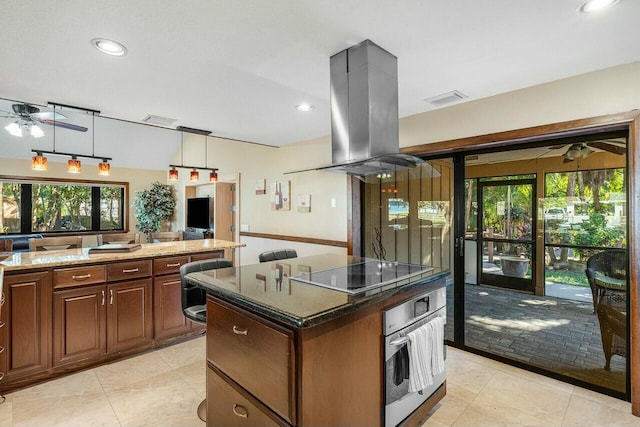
(437, 346)
(420, 353)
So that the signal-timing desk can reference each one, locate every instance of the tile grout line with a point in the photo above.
(107, 396)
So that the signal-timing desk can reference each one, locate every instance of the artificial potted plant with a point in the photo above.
(152, 206)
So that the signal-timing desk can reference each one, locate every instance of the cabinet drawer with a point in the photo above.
(228, 406)
(240, 344)
(169, 265)
(68, 277)
(128, 270)
(207, 255)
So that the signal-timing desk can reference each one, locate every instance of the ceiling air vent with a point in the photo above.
(158, 120)
(446, 98)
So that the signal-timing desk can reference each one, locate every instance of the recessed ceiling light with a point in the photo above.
(304, 107)
(596, 5)
(109, 47)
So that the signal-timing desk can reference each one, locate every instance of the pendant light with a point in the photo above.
(194, 176)
(173, 172)
(213, 175)
(39, 162)
(74, 165)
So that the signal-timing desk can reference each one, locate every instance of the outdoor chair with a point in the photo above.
(607, 275)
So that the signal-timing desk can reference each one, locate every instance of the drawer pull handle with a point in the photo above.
(111, 297)
(102, 297)
(131, 270)
(1, 378)
(177, 264)
(240, 411)
(239, 331)
(81, 277)
(1, 349)
(1, 324)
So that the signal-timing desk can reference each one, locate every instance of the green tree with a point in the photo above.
(153, 206)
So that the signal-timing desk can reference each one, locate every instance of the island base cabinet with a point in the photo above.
(228, 405)
(96, 320)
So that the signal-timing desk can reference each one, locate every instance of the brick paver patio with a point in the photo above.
(558, 334)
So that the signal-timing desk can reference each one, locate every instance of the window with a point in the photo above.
(51, 207)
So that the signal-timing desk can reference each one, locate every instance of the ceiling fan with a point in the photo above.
(28, 117)
(583, 149)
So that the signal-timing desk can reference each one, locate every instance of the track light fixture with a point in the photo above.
(194, 175)
(39, 162)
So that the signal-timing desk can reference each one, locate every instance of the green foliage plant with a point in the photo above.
(154, 205)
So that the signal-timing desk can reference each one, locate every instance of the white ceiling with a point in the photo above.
(239, 68)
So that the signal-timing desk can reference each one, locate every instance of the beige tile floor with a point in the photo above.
(164, 388)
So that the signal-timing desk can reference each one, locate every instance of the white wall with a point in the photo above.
(255, 246)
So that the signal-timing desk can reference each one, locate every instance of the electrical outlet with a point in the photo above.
(333, 202)
(244, 227)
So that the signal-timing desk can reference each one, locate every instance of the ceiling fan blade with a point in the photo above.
(567, 160)
(64, 125)
(557, 147)
(608, 147)
(48, 115)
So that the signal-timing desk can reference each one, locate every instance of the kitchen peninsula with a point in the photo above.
(66, 310)
(282, 351)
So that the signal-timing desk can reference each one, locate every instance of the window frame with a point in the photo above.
(27, 212)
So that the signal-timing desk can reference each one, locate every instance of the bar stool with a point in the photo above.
(277, 255)
(194, 301)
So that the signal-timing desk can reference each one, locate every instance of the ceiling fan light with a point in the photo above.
(586, 151)
(104, 168)
(39, 162)
(572, 153)
(74, 165)
(14, 129)
(194, 176)
(36, 132)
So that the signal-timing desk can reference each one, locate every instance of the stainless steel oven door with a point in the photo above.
(399, 403)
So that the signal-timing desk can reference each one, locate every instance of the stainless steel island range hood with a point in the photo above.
(364, 112)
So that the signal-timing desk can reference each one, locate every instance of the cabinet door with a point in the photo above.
(129, 318)
(79, 324)
(27, 329)
(167, 304)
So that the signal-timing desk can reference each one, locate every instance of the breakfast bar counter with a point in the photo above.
(69, 309)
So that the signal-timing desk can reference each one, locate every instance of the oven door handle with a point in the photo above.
(399, 341)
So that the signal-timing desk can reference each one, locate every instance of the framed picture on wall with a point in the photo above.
(280, 199)
(304, 203)
(261, 186)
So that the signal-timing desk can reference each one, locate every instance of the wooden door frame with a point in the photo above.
(622, 121)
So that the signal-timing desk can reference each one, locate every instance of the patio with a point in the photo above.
(558, 334)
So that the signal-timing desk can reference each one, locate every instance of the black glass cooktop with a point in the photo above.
(363, 276)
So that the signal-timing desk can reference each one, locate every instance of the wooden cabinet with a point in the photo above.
(129, 318)
(169, 321)
(207, 255)
(26, 333)
(91, 321)
(76, 276)
(229, 406)
(79, 324)
(240, 345)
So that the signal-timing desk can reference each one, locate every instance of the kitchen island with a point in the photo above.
(284, 352)
(66, 310)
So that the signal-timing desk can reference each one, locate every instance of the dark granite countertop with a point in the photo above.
(259, 288)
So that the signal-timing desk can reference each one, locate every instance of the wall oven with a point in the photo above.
(398, 321)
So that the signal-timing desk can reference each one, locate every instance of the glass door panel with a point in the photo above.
(506, 218)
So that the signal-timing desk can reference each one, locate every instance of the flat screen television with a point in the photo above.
(200, 213)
